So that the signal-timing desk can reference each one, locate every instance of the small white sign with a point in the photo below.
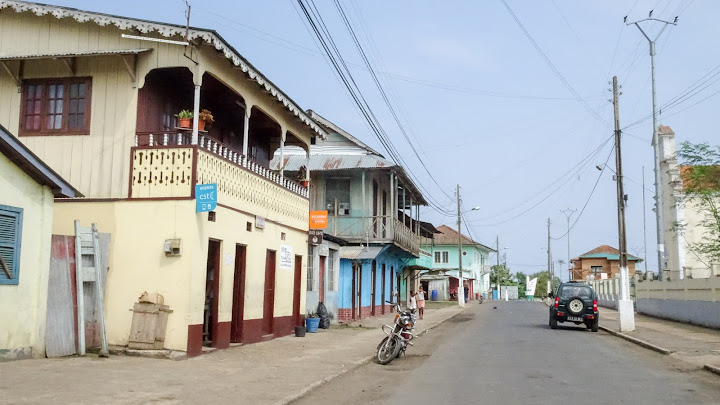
(259, 222)
(531, 287)
(286, 254)
(228, 259)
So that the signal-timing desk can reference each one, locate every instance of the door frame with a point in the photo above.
(238, 308)
(382, 292)
(215, 287)
(353, 292)
(373, 280)
(269, 292)
(321, 278)
(297, 291)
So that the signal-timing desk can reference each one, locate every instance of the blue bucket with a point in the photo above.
(312, 324)
(433, 295)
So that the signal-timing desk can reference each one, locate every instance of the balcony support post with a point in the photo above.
(196, 114)
(246, 130)
(282, 154)
(393, 204)
(404, 210)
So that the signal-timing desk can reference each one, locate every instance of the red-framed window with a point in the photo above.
(58, 106)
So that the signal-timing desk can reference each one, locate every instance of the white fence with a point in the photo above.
(608, 291)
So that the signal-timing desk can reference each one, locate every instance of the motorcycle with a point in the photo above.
(398, 335)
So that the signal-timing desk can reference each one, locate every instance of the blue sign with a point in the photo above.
(205, 197)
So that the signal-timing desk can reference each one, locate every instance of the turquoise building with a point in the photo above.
(373, 224)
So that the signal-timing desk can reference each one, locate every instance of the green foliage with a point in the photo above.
(541, 287)
(701, 184)
(184, 114)
(500, 275)
(522, 286)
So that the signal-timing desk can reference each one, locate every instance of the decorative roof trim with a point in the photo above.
(169, 30)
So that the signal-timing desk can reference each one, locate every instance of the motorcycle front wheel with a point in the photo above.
(389, 349)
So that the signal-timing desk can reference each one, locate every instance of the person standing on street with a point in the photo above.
(421, 302)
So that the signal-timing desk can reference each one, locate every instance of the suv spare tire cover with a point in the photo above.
(575, 306)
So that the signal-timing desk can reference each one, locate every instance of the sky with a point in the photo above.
(521, 133)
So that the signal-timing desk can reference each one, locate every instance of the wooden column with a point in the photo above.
(196, 114)
(246, 130)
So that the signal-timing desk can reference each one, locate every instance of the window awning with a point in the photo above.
(128, 56)
(74, 54)
(360, 252)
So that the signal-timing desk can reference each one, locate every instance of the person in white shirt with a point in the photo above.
(421, 302)
(413, 301)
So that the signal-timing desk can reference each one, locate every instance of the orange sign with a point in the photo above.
(318, 219)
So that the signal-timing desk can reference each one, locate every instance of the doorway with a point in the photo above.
(382, 292)
(392, 298)
(296, 291)
(321, 279)
(269, 301)
(238, 308)
(212, 288)
(375, 203)
(373, 277)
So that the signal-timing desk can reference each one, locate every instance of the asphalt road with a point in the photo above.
(509, 355)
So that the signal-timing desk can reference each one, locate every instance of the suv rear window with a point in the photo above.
(569, 291)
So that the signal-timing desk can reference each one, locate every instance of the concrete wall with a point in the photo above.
(23, 306)
(695, 301)
(137, 261)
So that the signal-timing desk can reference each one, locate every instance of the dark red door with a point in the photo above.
(382, 292)
(269, 302)
(373, 277)
(321, 279)
(238, 295)
(296, 291)
(360, 288)
(212, 289)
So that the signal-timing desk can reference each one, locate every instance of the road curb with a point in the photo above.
(712, 369)
(642, 343)
(292, 398)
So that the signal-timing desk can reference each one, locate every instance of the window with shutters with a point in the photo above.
(10, 235)
(331, 270)
(59, 106)
(310, 269)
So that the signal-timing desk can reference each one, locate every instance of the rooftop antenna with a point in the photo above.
(187, 19)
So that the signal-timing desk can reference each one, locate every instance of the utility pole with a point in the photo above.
(655, 143)
(460, 290)
(549, 286)
(566, 211)
(644, 226)
(497, 268)
(625, 305)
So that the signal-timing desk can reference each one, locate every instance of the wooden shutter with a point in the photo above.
(10, 236)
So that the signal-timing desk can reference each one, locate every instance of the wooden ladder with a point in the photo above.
(87, 270)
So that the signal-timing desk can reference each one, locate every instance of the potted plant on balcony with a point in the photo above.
(303, 177)
(205, 118)
(184, 118)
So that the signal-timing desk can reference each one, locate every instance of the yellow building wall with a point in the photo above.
(137, 262)
(98, 164)
(23, 307)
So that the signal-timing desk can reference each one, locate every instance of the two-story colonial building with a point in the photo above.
(372, 205)
(96, 97)
(443, 276)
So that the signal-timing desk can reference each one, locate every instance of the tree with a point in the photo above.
(521, 282)
(500, 275)
(541, 287)
(700, 168)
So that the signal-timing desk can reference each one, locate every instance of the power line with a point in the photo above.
(552, 66)
(588, 199)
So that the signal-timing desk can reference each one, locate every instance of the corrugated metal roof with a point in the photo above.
(74, 54)
(360, 252)
(333, 162)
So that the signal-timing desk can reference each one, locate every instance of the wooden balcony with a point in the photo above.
(378, 229)
(167, 165)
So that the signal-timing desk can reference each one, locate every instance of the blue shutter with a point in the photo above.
(10, 237)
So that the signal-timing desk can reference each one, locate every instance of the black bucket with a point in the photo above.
(299, 331)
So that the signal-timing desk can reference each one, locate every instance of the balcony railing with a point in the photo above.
(374, 229)
(167, 166)
(184, 139)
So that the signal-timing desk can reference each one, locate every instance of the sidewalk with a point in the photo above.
(692, 344)
(272, 372)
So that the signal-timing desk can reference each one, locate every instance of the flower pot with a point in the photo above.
(300, 331)
(184, 122)
(305, 183)
(312, 324)
(201, 125)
